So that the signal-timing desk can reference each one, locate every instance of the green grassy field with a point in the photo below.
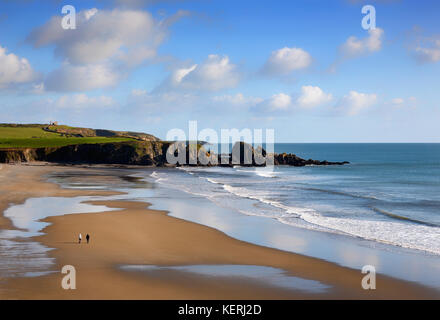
(35, 137)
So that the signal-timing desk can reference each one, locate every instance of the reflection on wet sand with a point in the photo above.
(265, 275)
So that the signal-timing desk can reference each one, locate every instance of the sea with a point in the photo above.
(389, 193)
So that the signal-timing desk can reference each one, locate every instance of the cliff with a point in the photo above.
(66, 144)
(147, 153)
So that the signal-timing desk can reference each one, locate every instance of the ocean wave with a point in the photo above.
(163, 179)
(265, 174)
(405, 234)
(245, 193)
(155, 175)
(403, 218)
(212, 181)
(420, 237)
(261, 172)
(341, 193)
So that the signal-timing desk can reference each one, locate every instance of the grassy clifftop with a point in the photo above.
(87, 132)
(16, 136)
(53, 143)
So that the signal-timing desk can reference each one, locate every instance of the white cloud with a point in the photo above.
(136, 57)
(81, 101)
(354, 47)
(100, 35)
(277, 103)
(355, 102)
(103, 48)
(181, 73)
(286, 60)
(81, 78)
(397, 101)
(175, 102)
(280, 101)
(14, 70)
(430, 53)
(312, 96)
(215, 73)
(73, 109)
(144, 103)
(236, 100)
(38, 88)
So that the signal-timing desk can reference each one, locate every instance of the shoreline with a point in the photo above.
(13, 191)
(155, 238)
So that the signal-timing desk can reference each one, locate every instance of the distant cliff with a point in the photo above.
(147, 153)
(138, 153)
(67, 144)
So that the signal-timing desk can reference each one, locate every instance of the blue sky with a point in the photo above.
(307, 69)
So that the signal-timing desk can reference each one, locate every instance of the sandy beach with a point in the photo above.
(137, 235)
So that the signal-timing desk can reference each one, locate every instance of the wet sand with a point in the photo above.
(20, 182)
(141, 236)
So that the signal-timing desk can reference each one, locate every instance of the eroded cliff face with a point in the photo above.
(137, 153)
(149, 153)
(18, 155)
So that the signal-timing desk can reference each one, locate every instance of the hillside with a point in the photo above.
(14, 136)
(87, 132)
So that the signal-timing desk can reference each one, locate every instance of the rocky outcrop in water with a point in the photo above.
(293, 160)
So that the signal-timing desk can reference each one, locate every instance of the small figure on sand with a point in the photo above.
(79, 238)
(87, 238)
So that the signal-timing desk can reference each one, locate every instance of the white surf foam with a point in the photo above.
(406, 235)
(403, 234)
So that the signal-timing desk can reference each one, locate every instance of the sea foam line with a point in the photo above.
(424, 238)
(406, 235)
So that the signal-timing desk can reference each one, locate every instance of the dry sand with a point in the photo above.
(138, 235)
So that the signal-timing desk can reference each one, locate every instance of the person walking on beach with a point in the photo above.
(79, 238)
(87, 238)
